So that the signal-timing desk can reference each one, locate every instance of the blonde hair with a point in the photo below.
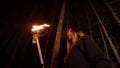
(78, 35)
(81, 34)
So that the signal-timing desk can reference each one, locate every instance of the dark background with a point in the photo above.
(18, 16)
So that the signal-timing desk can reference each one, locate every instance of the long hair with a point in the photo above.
(78, 32)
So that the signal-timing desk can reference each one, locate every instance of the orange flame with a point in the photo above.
(39, 27)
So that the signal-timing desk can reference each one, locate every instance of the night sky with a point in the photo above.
(18, 16)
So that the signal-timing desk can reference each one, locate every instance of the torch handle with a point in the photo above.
(39, 51)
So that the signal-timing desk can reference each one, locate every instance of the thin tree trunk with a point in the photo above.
(112, 12)
(105, 45)
(56, 48)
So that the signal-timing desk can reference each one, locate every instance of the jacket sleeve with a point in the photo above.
(95, 54)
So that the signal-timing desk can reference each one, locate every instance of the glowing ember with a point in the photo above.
(39, 27)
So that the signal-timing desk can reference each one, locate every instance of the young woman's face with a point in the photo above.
(69, 34)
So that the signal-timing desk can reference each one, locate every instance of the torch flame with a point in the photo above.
(39, 27)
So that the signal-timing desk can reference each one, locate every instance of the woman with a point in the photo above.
(83, 52)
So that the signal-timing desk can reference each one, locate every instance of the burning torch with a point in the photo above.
(39, 31)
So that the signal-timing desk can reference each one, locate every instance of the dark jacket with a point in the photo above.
(86, 54)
